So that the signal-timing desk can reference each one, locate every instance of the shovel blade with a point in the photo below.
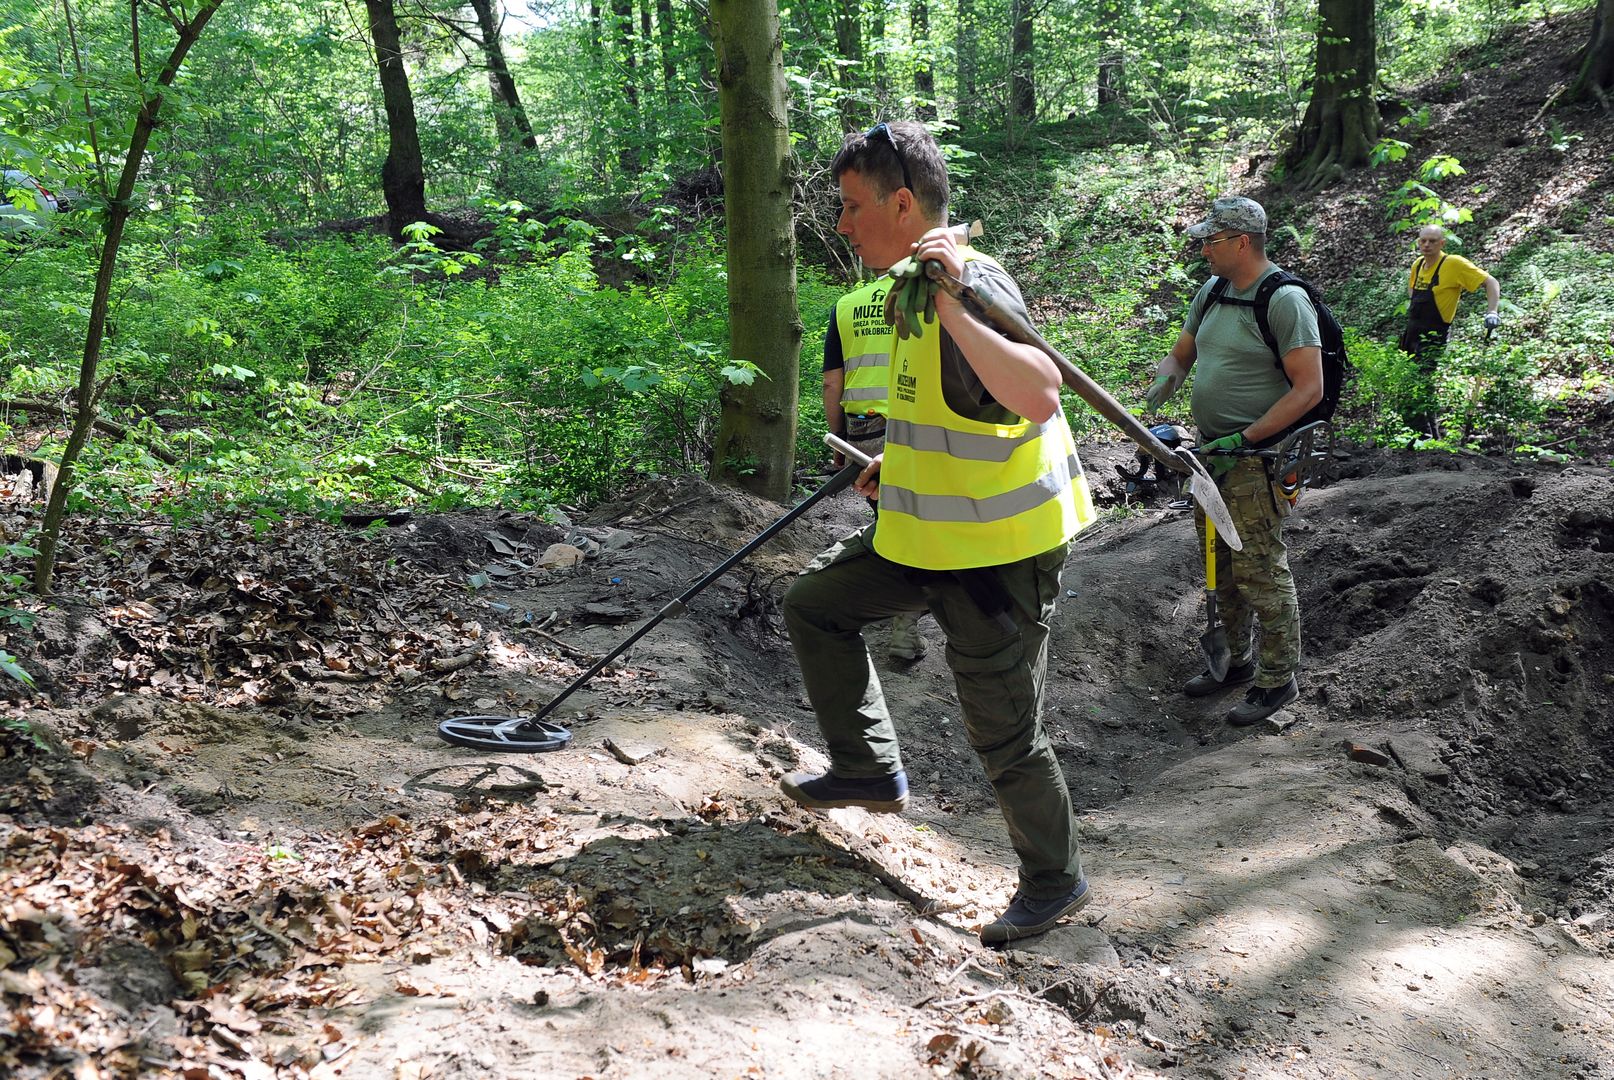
(1218, 657)
(1213, 642)
(1204, 491)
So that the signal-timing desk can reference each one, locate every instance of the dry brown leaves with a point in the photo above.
(217, 612)
(253, 940)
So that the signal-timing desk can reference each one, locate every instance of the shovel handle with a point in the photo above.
(1210, 554)
(1015, 327)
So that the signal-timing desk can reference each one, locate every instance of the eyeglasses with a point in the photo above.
(882, 128)
(1219, 240)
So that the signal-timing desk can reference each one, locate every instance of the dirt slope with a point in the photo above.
(273, 874)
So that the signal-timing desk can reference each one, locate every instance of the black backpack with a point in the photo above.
(1336, 365)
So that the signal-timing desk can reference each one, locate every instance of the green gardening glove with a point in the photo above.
(1218, 453)
(912, 300)
(1158, 393)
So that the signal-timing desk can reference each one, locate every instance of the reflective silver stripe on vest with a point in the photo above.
(937, 439)
(993, 508)
(867, 360)
(864, 393)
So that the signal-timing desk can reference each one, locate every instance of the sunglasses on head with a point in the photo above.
(882, 128)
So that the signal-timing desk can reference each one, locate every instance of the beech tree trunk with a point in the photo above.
(628, 154)
(1111, 62)
(509, 115)
(665, 40)
(1341, 123)
(1022, 65)
(965, 52)
(1595, 79)
(849, 43)
(756, 437)
(924, 75)
(403, 174)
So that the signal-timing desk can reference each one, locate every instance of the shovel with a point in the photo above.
(981, 303)
(1213, 642)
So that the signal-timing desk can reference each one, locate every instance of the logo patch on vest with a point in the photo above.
(907, 385)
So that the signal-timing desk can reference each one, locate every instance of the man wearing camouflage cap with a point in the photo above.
(1244, 397)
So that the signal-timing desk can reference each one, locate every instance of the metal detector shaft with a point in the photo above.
(839, 482)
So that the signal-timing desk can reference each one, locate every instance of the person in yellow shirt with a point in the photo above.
(1436, 282)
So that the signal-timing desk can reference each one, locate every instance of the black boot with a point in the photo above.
(1204, 684)
(1261, 702)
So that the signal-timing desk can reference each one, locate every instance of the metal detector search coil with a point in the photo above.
(504, 734)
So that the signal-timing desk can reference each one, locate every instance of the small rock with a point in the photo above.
(1278, 722)
(560, 556)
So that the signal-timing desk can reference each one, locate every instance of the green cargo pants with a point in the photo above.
(1256, 583)
(999, 673)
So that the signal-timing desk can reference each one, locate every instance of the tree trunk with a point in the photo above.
(966, 53)
(924, 75)
(509, 115)
(1595, 79)
(403, 174)
(1022, 65)
(1111, 61)
(1341, 123)
(756, 437)
(666, 39)
(628, 153)
(875, 53)
(118, 208)
(849, 44)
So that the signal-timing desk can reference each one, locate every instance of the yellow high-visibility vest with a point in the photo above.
(865, 348)
(957, 493)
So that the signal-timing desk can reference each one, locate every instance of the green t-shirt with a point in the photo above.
(1236, 378)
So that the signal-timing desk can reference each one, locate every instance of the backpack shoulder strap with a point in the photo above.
(1263, 300)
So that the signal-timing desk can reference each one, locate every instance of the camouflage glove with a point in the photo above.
(1218, 453)
(912, 299)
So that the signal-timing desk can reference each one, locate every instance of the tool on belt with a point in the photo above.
(1299, 461)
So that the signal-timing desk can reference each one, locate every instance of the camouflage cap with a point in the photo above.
(1237, 214)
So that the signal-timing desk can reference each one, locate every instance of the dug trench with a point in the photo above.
(233, 840)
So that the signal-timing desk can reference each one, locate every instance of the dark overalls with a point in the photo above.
(1423, 338)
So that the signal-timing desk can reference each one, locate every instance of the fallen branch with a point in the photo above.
(116, 430)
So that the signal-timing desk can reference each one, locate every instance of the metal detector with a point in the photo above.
(532, 734)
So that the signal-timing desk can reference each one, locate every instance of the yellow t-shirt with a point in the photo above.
(1457, 276)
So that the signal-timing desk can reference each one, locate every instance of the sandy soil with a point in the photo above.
(304, 880)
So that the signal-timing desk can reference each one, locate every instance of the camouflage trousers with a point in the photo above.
(1255, 584)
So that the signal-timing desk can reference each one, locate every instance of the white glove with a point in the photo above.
(1492, 320)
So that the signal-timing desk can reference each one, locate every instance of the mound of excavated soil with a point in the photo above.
(310, 883)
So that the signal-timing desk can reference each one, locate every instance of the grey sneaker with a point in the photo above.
(1203, 684)
(1261, 702)
(906, 642)
(1028, 918)
(881, 794)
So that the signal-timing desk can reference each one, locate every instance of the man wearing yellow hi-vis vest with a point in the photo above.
(980, 491)
(857, 352)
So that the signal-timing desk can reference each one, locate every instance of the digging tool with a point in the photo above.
(1213, 642)
(526, 735)
(979, 301)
